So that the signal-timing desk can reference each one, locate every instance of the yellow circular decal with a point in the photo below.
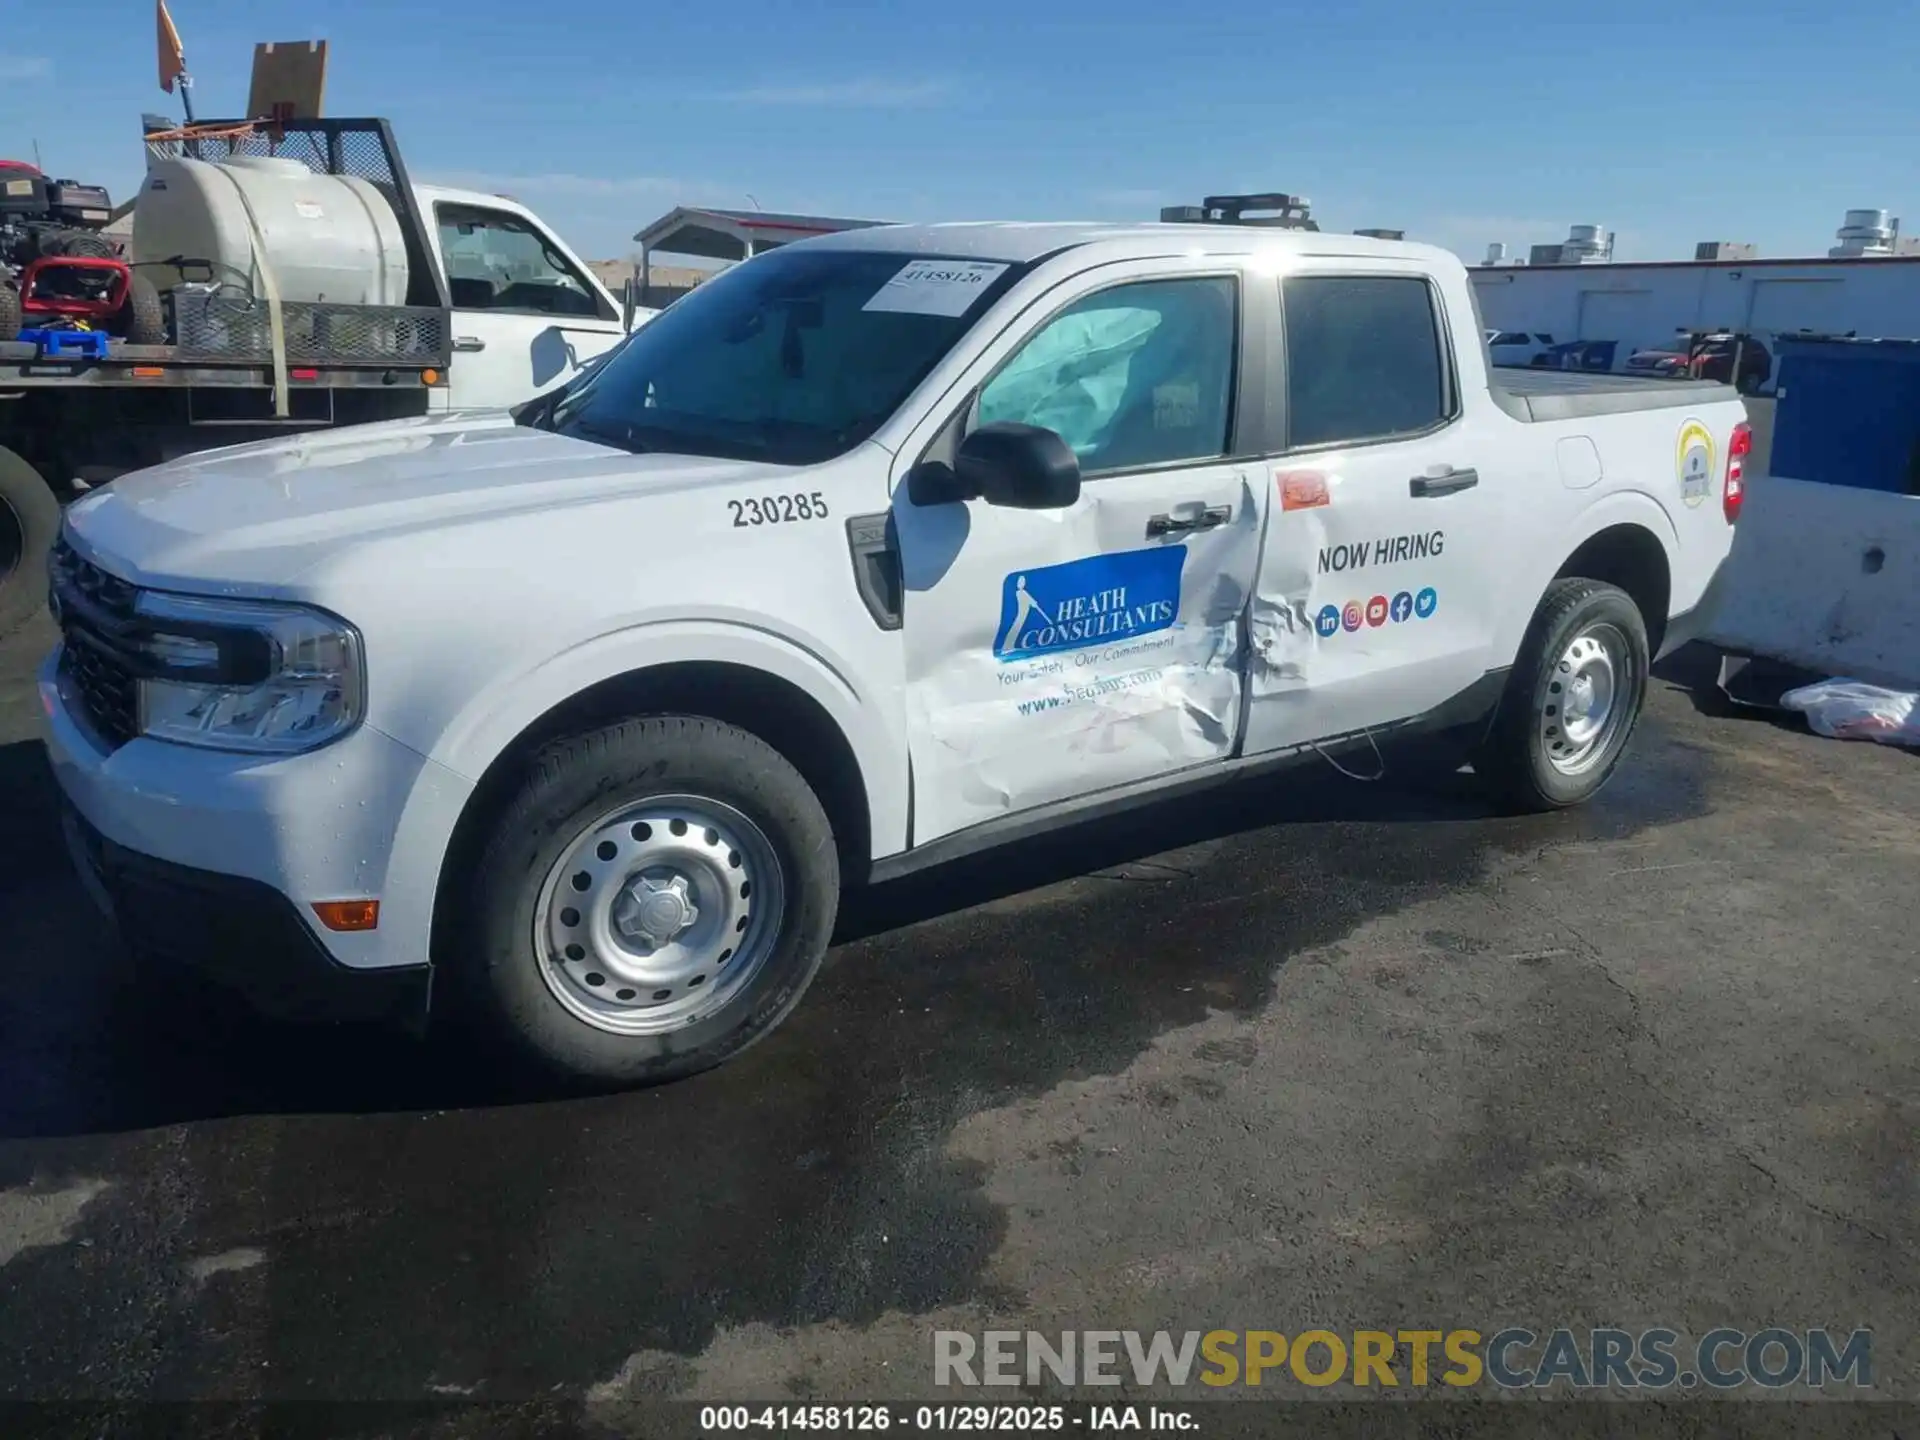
(1693, 462)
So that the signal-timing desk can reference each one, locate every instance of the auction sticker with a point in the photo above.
(1693, 462)
(936, 287)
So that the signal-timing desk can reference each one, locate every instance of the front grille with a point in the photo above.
(95, 610)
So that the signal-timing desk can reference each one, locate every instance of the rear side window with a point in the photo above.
(1364, 359)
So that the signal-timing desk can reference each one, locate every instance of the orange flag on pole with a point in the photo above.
(173, 60)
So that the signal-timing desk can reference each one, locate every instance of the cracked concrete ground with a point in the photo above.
(1306, 1054)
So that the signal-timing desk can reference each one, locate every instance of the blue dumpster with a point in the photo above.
(1848, 412)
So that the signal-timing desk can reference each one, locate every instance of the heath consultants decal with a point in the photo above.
(1095, 601)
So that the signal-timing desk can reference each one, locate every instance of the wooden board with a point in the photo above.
(289, 80)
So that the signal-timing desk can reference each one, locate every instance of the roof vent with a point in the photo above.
(1865, 234)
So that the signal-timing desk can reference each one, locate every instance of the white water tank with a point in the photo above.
(1496, 252)
(327, 237)
(1866, 233)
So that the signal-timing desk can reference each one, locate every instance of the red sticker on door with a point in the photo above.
(1302, 489)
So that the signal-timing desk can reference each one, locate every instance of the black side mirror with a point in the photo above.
(1023, 467)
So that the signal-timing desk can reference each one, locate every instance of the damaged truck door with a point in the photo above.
(1380, 584)
(1094, 640)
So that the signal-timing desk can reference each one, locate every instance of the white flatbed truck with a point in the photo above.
(499, 309)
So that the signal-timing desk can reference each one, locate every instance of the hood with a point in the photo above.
(254, 517)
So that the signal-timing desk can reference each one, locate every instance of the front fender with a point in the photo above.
(490, 722)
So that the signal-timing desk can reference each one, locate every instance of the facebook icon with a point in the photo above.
(1402, 606)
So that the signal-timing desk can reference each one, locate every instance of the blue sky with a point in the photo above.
(1495, 120)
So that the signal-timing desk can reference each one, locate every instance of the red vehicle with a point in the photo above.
(57, 269)
(1709, 355)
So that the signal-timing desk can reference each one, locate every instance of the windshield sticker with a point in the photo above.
(1693, 461)
(936, 287)
(1098, 600)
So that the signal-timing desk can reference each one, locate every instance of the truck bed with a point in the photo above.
(1535, 395)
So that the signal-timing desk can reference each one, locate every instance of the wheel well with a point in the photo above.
(1631, 557)
(775, 710)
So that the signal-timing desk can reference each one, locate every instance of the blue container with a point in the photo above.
(1848, 413)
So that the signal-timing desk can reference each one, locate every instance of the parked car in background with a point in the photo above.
(1710, 356)
(1516, 347)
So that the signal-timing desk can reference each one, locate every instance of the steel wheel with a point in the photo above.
(1586, 702)
(657, 914)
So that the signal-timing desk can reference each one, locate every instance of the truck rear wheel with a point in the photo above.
(1572, 699)
(29, 524)
(656, 898)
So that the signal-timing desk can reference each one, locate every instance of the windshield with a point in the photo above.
(793, 357)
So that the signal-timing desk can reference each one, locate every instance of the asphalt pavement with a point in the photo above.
(1312, 1052)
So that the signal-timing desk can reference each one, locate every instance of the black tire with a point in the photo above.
(1517, 758)
(142, 320)
(29, 524)
(10, 314)
(499, 968)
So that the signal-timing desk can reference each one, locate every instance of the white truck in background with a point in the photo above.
(881, 549)
(396, 299)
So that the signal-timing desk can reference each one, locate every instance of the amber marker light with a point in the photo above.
(348, 915)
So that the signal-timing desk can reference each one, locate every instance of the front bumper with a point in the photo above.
(241, 933)
(216, 859)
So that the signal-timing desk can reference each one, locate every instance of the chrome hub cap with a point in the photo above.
(1586, 699)
(658, 914)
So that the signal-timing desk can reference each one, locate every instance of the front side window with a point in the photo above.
(1137, 375)
(793, 357)
(497, 261)
(1364, 359)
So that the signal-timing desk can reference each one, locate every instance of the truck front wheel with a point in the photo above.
(656, 898)
(29, 524)
(1572, 699)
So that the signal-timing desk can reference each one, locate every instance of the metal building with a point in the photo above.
(1869, 284)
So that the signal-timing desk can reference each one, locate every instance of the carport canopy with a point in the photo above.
(735, 234)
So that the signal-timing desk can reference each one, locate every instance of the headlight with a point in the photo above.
(246, 674)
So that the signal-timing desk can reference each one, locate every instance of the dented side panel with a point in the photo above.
(1372, 604)
(1052, 654)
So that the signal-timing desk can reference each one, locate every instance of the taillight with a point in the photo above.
(1735, 490)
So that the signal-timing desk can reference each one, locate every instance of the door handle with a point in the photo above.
(1209, 519)
(468, 342)
(1426, 487)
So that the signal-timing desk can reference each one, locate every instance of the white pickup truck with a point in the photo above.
(876, 550)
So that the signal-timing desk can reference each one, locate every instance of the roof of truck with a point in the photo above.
(1019, 241)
